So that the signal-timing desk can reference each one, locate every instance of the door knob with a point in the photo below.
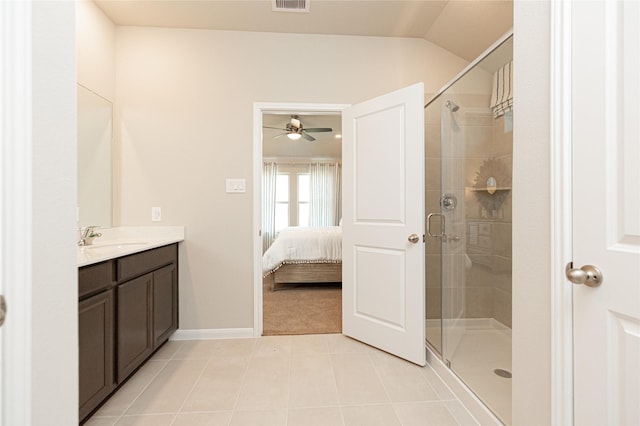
(414, 238)
(3, 309)
(588, 275)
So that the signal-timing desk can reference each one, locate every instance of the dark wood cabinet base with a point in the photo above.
(128, 308)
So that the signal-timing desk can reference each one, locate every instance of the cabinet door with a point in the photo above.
(165, 303)
(134, 326)
(95, 339)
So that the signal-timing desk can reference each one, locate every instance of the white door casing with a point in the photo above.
(383, 204)
(260, 108)
(605, 107)
(16, 56)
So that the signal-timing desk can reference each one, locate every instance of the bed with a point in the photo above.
(304, 255)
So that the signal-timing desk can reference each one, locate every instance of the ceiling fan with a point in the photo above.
(295, 130)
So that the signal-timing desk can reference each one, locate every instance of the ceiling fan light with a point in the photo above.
(294, 136)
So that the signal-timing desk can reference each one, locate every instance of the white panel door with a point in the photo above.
(383, 191)
(606, 210)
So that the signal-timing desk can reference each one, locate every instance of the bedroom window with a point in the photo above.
(282, 201)
(293, 189)
(303, 199)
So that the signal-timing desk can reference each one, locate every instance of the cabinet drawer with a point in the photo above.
(141, 263)
(95, 278)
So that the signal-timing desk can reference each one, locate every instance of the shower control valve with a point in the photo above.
(448, 201)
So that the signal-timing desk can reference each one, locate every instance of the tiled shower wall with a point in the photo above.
(488, 239)
(487, 293)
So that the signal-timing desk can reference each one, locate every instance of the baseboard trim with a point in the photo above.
(476, 408)
(213, 333)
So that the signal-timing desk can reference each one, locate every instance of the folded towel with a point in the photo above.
(502, 93)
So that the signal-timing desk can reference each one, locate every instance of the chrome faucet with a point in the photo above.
(87, 234)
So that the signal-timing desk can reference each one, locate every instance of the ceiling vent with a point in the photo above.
(290, 5)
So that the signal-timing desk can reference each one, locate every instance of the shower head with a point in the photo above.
(452, 106)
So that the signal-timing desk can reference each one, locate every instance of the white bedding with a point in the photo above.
(303, 245)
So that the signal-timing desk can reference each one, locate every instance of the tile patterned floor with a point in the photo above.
(281, 380)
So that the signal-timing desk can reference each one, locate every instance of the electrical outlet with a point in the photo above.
(156, 214)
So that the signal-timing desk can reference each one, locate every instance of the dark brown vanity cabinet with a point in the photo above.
(165, 308)
(96, 350)
(95, 335)
(128, 308)
(147, 305)
(134, 324)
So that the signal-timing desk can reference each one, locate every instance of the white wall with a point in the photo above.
(531, 387)
(54, 291)
(184, 105)
(95, 42)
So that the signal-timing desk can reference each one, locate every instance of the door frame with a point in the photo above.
(561, 214)
(260, 108)
(15, 204)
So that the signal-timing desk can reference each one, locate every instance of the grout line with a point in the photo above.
(243, 378)
(190, 391)
(335, 380)
(144, 388)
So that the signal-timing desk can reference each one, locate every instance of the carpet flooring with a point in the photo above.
(301, 309)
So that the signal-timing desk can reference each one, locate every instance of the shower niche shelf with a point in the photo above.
(474, 189)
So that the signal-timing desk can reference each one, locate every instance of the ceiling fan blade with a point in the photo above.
(308, 137)
(277, 136)
(269, 127)
(319, 129)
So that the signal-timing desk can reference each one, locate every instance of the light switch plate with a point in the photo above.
(236, 185)
(156, 214)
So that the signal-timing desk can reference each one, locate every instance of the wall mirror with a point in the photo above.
(95, 129)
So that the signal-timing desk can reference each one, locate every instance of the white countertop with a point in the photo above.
(118, 242)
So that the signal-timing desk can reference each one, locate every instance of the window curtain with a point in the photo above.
(502, 93)
(269, 174)
(325, 199)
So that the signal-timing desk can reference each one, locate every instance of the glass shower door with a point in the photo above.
(475, 205)
(452, 209)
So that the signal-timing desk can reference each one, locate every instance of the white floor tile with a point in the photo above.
(357, 380)
(218, 418)
(259, 418)
(370, 415)
(282, 380)
(320, 416)
(169, 389)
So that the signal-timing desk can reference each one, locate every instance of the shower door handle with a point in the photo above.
(429, 216)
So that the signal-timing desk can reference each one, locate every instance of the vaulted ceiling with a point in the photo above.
(464, 27)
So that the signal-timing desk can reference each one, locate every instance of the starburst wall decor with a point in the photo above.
(492, 184)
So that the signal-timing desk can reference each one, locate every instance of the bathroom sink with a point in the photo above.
(115, 246)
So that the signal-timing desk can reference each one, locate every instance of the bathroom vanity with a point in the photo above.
(128, 307)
